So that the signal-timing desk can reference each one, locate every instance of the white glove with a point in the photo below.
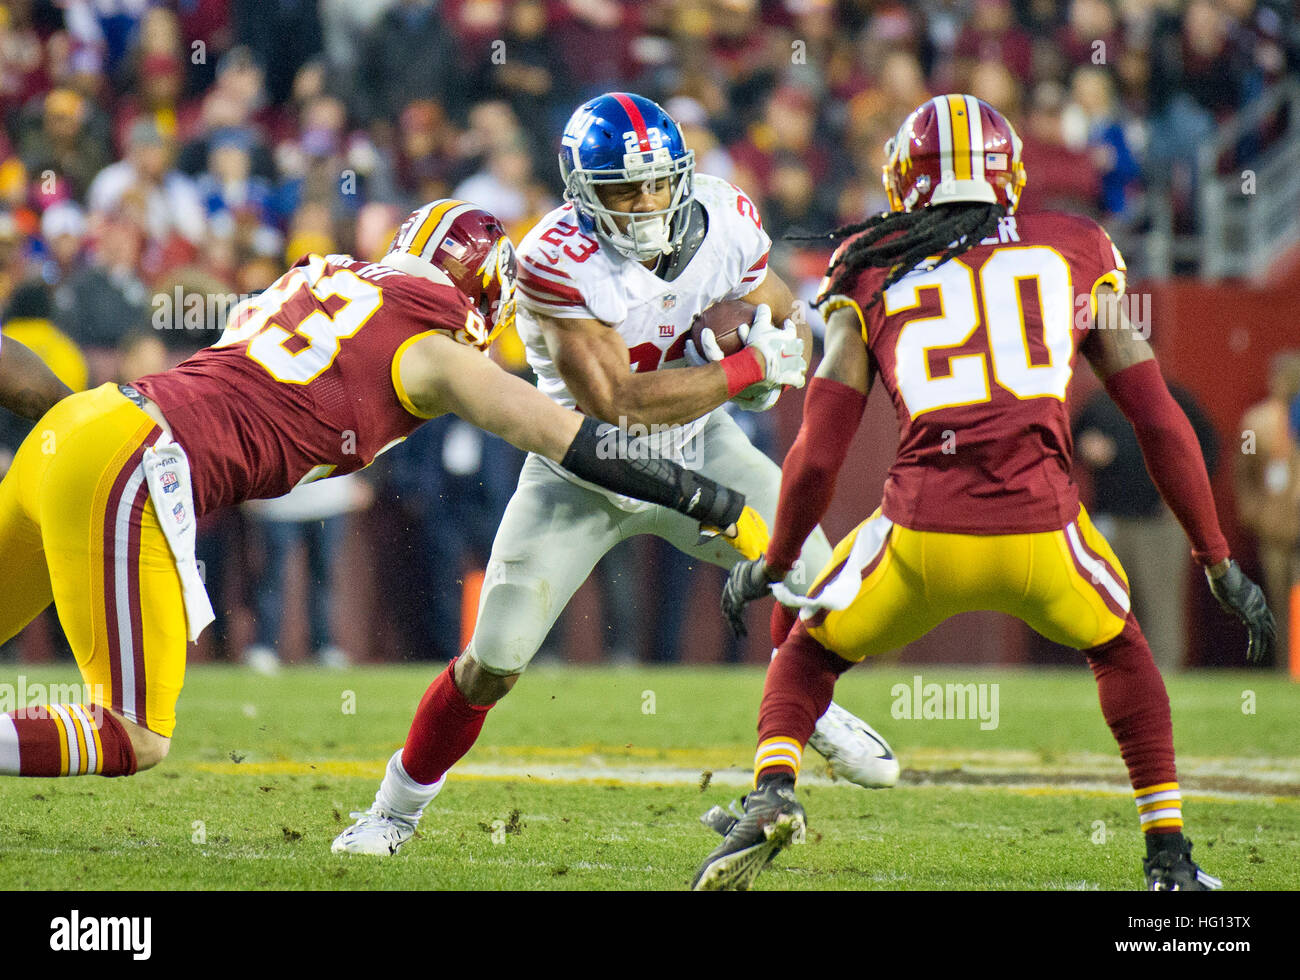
(782, 350)
(761, 400)
(712, 352)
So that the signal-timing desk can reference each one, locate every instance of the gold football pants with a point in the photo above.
(77, 527)
(887, 585)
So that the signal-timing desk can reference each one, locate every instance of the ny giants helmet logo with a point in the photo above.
(575, 132)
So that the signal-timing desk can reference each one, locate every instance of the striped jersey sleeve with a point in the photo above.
(749, 244)
(550, 290)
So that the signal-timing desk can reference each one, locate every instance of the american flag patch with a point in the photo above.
(456, 249)
(995, 161)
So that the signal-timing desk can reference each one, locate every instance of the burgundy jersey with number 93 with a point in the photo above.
(301, 385)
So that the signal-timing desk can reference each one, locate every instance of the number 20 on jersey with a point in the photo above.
(1007, 355)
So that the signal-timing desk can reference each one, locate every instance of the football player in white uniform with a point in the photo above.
(608, 286)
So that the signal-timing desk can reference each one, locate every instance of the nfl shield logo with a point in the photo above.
(169, 481)
(669, 301)
(178, 512)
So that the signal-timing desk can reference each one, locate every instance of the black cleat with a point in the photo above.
(721, 821)
(1173, 870)
(773, 820)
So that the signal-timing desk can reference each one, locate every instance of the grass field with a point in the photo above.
(595, 778)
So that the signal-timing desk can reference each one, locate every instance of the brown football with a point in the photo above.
(725, 320)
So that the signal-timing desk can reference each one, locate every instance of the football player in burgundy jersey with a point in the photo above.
(27, 387)
(334, 363)
(967, 314)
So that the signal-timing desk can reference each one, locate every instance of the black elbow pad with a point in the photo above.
(598, 455)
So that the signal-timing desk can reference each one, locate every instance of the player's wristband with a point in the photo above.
(596, 455)
(742, 370)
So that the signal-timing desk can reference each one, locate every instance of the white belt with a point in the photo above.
(839, 591)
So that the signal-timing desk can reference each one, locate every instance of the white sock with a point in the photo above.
(402, 795)
(8, 747)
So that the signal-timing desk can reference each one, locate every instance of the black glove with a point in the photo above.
(746, 582)
(1245, 600)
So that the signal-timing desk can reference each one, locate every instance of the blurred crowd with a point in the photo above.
(155, 151)
(219, 139)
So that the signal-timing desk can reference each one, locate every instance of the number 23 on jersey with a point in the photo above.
(1007, 354)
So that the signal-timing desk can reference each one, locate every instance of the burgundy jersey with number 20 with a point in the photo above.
(302, 384)
(977, 355)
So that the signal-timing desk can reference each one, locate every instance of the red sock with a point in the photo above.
(1136, 707)
(64, 740)
(799, 687)
(444, 728)
(783, 620)
(119, 753)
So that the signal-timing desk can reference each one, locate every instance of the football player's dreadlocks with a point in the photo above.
(898, 240)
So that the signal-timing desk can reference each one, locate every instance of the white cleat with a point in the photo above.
(392, 818)
(376, 832)
(855, 750)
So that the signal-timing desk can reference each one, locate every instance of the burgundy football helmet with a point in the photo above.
(953, 148)
(472, 248)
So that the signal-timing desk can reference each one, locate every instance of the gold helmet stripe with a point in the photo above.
(439, 219)
(959, 127)
(410, 228)
(976, 137)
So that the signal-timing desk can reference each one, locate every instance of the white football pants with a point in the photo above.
(555, 530)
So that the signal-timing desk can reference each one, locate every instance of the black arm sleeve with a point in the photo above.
(598, 455)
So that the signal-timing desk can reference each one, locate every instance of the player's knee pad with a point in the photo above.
(514, 618)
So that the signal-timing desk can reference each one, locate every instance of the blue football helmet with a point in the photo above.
(619, 138)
